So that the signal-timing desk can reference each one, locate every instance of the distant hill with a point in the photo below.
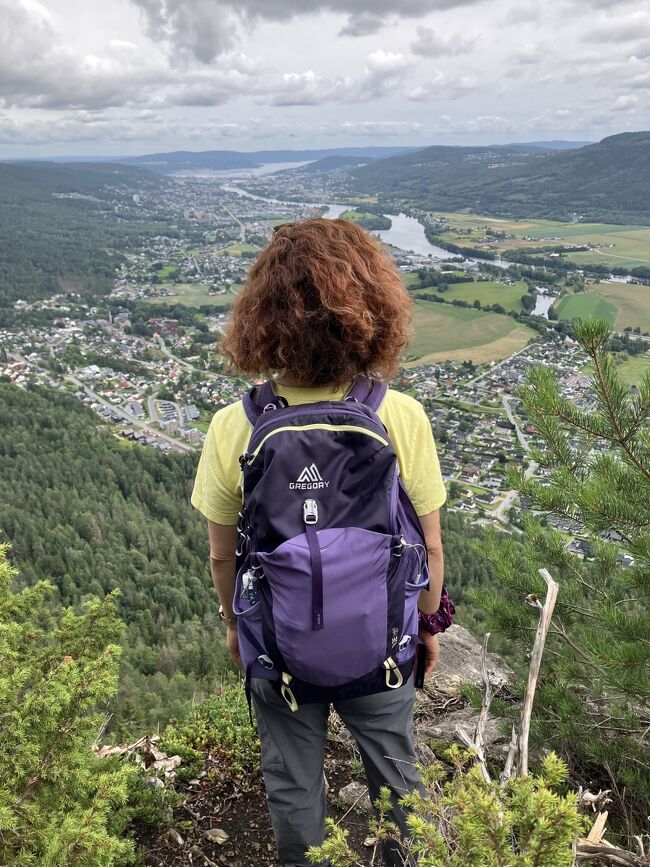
(608, 181)
(556, 144)
(178, 161)
(61, 225)
(330, 164)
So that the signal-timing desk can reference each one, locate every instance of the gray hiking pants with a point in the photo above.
(293, 746)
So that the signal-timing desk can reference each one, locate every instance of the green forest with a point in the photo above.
(604, 182)
(91, 513)
(65, 227)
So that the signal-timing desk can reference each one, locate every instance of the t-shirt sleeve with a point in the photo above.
(216, 493)
(421, 473)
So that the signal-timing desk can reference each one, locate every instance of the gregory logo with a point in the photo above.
(308, 480)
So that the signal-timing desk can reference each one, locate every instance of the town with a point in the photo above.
(145, 358)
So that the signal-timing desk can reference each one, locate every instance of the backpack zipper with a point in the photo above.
(249, 457)
(351, 409)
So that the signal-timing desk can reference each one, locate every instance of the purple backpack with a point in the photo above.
(331, 556)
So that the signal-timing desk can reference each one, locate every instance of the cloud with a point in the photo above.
(363, 24)
(381, 127)
(527, 54)
(601, 4)
(308, 88)
(490, 123)
(75, 127)
(382, 72)
(215, 86)
(38, 70)
(442, 86)
(640, 82)
(626, 29)
(430, 43)
(204, 29)
(521, 14)
(625, 101)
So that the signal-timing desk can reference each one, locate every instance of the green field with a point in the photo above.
(195, 295)
(238, 249)
(631, 372)
(632, 303)
(623, 305)
(583, 305)
(164, 273)
(628, 246)
(489, 292)
(443, 332)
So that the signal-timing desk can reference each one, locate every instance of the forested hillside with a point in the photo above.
(89, 511)
(605, 182)
(92, 513)
(62, 226)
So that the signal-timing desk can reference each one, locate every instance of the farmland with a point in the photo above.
(628, 246)
(459, 334)
(194, 295)
(488, 292)
(583, 305)
(624, 305)
(632, 303)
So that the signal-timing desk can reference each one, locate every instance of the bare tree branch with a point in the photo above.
(545, 615)
(478, 744)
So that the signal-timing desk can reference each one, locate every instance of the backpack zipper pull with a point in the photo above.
(310, 512)
(310, 516)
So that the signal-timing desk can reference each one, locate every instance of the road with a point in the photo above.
(165, 351)
(242, 234)
(520, 436)
(127, 416)
(152, 409)
(615, 256)
(501, 363)
(506, 503)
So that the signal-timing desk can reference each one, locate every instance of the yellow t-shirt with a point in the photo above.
(217, 490)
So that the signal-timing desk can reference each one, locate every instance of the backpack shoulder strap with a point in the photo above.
(370, 392)
(259, 398)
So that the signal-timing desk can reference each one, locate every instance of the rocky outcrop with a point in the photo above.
(460, 663)
(440, 706)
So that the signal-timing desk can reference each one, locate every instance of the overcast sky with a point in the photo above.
(136, 76)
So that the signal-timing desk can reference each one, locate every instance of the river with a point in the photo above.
(406, 233)
(543, 303)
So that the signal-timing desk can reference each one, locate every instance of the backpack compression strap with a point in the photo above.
(263, 398)
(370, 392)
(260, 399)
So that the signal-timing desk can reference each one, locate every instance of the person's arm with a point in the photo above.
(223, 545)
(429, 600)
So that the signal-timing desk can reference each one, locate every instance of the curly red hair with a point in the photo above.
(323, 302)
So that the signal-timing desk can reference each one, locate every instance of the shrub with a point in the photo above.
(592, 704)
(467, 822)
(221, 725)
(57, 800)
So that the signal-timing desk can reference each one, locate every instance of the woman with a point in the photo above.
(323, 304)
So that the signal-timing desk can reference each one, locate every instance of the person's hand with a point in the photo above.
(232, 640)
(432, 650)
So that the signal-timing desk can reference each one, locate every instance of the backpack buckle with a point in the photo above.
(310, 512)
(392, 670)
